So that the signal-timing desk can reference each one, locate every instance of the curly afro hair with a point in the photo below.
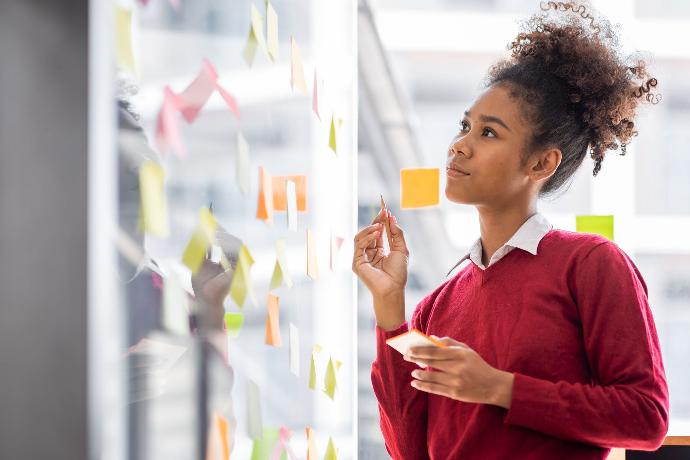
(580, 93)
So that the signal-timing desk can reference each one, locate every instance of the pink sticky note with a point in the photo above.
(315, 100)
(168, 135)
(195, 95)
(228, 100)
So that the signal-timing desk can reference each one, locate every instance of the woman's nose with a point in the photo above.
(460, 147)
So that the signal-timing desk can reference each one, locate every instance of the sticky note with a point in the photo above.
(280, 270)
(229, 99)
(241, 284)
(283, 445)
(273, 322)
(233, 323)
(312, 453)
(412, 338)
(242, 164)
(218, 446)
(175, 315)
(263, 446)
(254, 422)
(196, 94)
(294, 349)
(201, 240)
(123, 40)
(331, 137)
(296, 70)
(601, 225)
(279, 184)
(256, 37)
(331, 453)
(312, 269)
(168, 136)
(291, 198)
(336, 243)
(419, 187)
(330, 380)
(315, 98)
(272, 31)
(312, 366)
(264, 209)
(153, 217)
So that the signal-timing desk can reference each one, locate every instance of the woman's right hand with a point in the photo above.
(385, 275)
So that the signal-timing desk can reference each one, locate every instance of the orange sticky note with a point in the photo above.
(312, 453)
(218, 439)
(280, 192)
(273, 322)
(312, 269)
(419, 187)
(264, 210)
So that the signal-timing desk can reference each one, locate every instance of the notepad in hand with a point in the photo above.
(412, 338)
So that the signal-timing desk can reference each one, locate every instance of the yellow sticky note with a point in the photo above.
(241, 283)
(331, 137)
(123, 40)
(330, 380)
(312, 453)
(331, 452)
(153, 217)
(242, 164)
(312, 366)
(202, 239)
(312, 269)
(263, 447)
(272, 31)
(296, 69)
(601, 225)
(254, 422)
(280, 271)
(264, 208)
(233, 323)
(256, 37)
(419, 187)
(273, 322)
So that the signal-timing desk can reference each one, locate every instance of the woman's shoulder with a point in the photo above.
(563, 243)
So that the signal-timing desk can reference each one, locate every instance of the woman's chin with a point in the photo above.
(458, 197)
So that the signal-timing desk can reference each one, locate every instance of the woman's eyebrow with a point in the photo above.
(490, 118)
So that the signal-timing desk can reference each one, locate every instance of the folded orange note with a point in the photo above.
(264, 209)
(280, 192)
(413, 338)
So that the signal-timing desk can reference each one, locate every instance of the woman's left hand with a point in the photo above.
(458, 372)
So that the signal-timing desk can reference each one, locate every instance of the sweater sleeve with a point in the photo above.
(626, 404)
(402, 409)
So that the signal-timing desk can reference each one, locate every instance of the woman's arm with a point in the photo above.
(626, 405)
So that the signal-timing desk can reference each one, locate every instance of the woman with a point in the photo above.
(551, 350)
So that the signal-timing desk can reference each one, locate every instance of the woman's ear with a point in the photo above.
(545, 164)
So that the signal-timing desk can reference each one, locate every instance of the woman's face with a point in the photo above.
(484, 166)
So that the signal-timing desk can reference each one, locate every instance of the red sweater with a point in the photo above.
(573, 325)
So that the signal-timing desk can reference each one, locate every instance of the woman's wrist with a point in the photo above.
(389, 310)
(502, 392)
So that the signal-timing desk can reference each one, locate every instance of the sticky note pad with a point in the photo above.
(419, 187)
(296, 69)
(601, 225)
(233, 323)
(153, 211)
(412, 338)
(273, 322)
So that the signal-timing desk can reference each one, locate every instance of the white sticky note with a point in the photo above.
(242, 168)
(294, 349)
(413, 338)
(254, 411)
(291, 192)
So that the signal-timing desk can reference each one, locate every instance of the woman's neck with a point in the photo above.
(496, 226)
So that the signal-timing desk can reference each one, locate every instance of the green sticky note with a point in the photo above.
(202, 238)
(312, 366)
(330, 381)
(331, 137)
(331, 453)
(263, 448)
(601, 225)
(233, 323)
(280, 273)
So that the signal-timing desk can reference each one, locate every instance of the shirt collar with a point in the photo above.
(527, 238)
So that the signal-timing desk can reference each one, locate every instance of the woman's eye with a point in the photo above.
(487, 130)
(464, 126)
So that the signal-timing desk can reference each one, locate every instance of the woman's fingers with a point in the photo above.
(366, 231)
(361, 244)
(397, 236)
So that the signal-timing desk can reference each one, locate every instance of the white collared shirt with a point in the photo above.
(527, 238)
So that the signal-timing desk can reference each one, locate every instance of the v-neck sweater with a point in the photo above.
(573, 325)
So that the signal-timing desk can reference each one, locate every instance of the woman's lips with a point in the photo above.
(450, 172)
